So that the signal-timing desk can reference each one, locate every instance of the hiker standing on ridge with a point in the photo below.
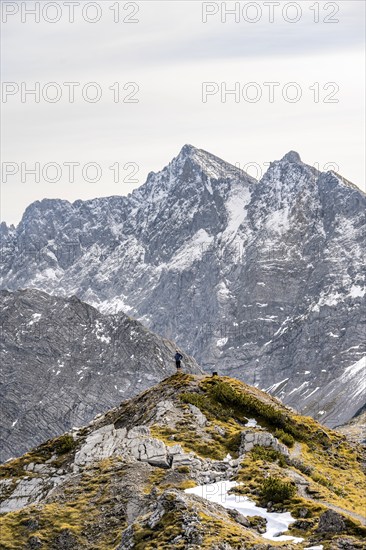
(178, 357)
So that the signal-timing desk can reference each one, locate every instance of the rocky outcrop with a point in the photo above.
(28, 490)
(137, 443)
(250, 438)
(331, 522)
(102, 443)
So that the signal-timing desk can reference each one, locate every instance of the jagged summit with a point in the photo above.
(189, 149)
(210, 165)
(292, 156)
(121, 481)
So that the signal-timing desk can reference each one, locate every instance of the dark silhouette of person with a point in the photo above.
(178, 357)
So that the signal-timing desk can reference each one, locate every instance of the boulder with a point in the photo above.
(250, 438)
(237, 516)
(303, 524)
(155, 453)
(331, 522)
(100, 444)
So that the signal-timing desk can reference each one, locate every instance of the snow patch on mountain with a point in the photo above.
(236, 210)
(357, 369)
(219, 492)
(191, 251)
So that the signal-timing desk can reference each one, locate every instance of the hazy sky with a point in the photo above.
(163, 60)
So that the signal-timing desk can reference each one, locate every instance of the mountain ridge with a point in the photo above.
(291, 156)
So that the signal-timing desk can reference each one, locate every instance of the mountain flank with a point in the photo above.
(63, 362)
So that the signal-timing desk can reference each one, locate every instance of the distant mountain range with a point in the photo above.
(263, 280)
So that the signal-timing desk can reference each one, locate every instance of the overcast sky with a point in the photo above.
(168, 53)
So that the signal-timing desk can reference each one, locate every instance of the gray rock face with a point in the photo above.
(63, 362)
(250, 438)
(137, 443)
(261, 280)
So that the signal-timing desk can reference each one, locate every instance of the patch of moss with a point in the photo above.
(160, 480)
(178, 380)
(186, 484)
(13, 469)
(162, 535)
(355, 528)
(336, 484)
(212, 445)
(301, 507)
(155, 479)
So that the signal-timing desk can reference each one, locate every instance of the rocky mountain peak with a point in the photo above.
(206, 165)
(188, 150)
(292, 156)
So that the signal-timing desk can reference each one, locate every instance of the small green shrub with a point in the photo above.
(224, 393)
(64, 444)
(183, 469)
(273, 489)
(233, 442)
(286, 438)
(206, 405)
(268, 455)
